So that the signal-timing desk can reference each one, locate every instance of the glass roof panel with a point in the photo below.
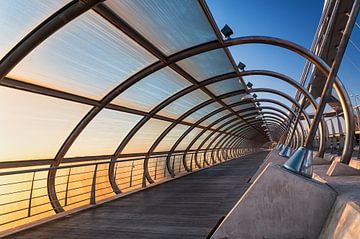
(226, 86)
(184, 103)
(188, 138)
(170, 25)
(233, 99)
(169, 140)
(152, 90)
(103, 134)
(34, 126)
(216, 117)
(21, 17)
(202, 112)
(146, 136)
(207, 65)
(88, 57)
(243, 106)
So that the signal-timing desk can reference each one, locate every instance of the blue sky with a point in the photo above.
(294, 20)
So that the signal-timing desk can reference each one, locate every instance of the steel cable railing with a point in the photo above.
(24, 197)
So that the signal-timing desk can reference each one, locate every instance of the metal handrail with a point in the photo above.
(28, 198)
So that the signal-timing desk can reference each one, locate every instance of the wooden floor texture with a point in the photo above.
(189, 207)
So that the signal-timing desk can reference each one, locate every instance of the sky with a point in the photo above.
(294, 20)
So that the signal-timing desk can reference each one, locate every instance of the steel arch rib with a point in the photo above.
(200, 49)
(196, 50)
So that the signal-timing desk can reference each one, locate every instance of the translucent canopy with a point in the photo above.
(102, 86)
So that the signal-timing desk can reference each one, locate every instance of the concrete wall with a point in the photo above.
(279, 204)
(343, 221)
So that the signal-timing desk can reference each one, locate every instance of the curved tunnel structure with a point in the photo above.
(122, 106)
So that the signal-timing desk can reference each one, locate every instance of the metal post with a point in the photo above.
(300, 162)
(67, 187)
(93, 187)
(156, 164)
(131, 174)
(31, 193)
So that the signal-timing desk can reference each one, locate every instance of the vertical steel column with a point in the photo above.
(300, 162)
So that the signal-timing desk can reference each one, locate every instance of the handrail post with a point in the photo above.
(93, 187)
(131, 173)
(31, 193)
(156, 164)
(67, 187)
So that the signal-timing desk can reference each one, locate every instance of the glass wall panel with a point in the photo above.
(226, 86)
(145, 137)
(225, 121)
(203, 112)
(19, 17)
(152, 90)
(168, 141)
(88, 57)
(188, 138)
(212, 137)
(184, 103)
(216, 117)
(200, 140)
(207, 65)
(170, 25)
(104, 133)
(33, 126)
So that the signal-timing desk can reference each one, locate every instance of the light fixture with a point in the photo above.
(254, 95)
(227, 31)
(249, 85)
(258, 104)
(241, 66)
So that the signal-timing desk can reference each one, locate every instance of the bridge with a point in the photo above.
(138, 119)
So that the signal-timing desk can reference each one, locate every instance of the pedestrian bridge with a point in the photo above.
(135, 119)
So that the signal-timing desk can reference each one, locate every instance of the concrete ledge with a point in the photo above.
(279, 204)
(355, 163)
(343, 221)
(320, 161)
(340, 169)
(272, 157)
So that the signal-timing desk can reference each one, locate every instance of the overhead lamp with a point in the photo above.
(227, 31)
(254, 95)
(241, 66)
(258, 116)
(249, 85)
(258, 104)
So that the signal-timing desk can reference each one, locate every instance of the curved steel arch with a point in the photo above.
(204, 130)
(242, 40)
(220, 144)
(245, 102)
(275, 102)
(263, 107)
(199, 49)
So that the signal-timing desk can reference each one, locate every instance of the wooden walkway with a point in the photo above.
(189, 207)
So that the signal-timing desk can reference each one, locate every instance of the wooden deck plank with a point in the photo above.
(188, 207)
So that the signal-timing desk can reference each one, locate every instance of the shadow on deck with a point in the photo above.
(188, 207)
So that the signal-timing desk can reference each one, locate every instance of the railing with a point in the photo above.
(24, 197)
